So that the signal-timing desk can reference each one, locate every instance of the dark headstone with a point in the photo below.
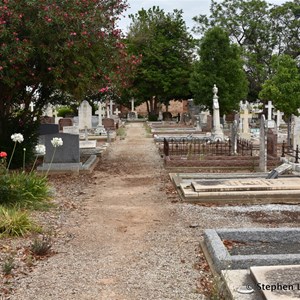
(48, 129)
(108, 123)
(271, 143)
(167, 116)
(65, 122)
(67, 153)
(47, 120)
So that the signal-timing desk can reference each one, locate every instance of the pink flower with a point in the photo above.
(3, 154)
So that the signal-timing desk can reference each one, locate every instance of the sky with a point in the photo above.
(190, 8)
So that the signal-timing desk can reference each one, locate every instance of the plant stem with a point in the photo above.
(50, 162)
(12, 154)
(36, 158)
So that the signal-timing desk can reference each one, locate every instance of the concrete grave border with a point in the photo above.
(222, 260)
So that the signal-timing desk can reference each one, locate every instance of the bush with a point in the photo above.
(41, 247)
(25, 190)
(14, 222)
(152, 117)
(65, 111)
(8, 265)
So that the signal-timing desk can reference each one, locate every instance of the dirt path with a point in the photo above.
(130, 244)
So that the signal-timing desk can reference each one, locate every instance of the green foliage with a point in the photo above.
(41, 246)
(14, 222)
(167, 52)
(8, 265)
(283, 87)
(260, 28)
(64, 111)
(121, 132)
(25, 190)
(219, 64)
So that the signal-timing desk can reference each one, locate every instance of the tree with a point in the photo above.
(55, 52)
(283, 87)
(261, 29)
(219, 64)
(166, 48)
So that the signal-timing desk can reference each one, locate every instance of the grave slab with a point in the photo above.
(87, 144)
(223, 259)
(277, 282)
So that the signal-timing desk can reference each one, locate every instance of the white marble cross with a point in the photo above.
(132, 104)
(279, 115)
(111, 103)
(117, 111)
(269, 107)
(31, 105)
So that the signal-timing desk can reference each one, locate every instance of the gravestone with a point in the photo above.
(67, 153)
(85, 115)
(108, 123)
(48, 111)
(270, 121)
(100, 128)
(47, 120)
(217, 131)
(296, 131)
(263, 145)
(234, 136)
(167, 116)
(71, 129)
(244, 117)
(64, 122)
(279, 121)
(271, 143)
(132, 115)
(48, 129)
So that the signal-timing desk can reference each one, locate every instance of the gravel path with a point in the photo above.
(132, 242)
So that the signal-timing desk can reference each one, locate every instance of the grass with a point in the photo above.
(15, 222)
(27, 190)
(121, 132)
(41, 246)
(8, 265)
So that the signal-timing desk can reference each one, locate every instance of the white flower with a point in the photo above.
(17, 137)
(40, 149)
(56, 142)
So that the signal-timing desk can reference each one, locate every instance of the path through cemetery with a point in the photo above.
(130, 243)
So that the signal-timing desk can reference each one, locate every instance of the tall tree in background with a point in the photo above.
(283, 87)
(219, 64)
(53, 51)
(261, 29)
(167, 50)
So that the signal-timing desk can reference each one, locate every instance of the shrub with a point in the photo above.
(26, 190)
(65, 111)
(41, 246)
(8, 265)
(14, 222)
(152, 117)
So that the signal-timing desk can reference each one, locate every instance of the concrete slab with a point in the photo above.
(277, 282)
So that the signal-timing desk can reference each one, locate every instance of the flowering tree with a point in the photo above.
(56, 52)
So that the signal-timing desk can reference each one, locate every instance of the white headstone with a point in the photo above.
(217, 130)
(31, 105)
(270, 121)
(111, 103)
(279, 120)
(85, 115)
(132, 104)
(48, 111)
(117, 111)
(263, 145)
(244, 117)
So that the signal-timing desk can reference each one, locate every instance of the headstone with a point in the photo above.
(67, 153)
(296, 131)
(132, 115)
(217, 132)
(271, 143)
(100, 128)
(31, 106)
(48, 129)
(234, 135)
(85, 115)
(87, 144)
(111, 103)
(95, 121)
(244, 117)
(65, 122)
(270, 121)
(117, 112)
(279, 121)
(108, 123)
(71, 129)
(160, 116)
(48, 111)
(263, 145)
(47, 120)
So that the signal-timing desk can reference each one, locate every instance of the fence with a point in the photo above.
(289, 151)
(204, 146)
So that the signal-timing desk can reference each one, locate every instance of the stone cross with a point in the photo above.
(279, 120)
(269, 107)
(99, 113)
(117, 111)
(31, 105)
(234, 130)
(111, 103)
(245, 116)
(107, 111)
(132, 104)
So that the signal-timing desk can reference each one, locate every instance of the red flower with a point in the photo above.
(3, 154)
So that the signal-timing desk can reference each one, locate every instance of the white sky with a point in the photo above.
(191, 8)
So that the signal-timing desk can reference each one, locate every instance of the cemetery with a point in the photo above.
(157, 162)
